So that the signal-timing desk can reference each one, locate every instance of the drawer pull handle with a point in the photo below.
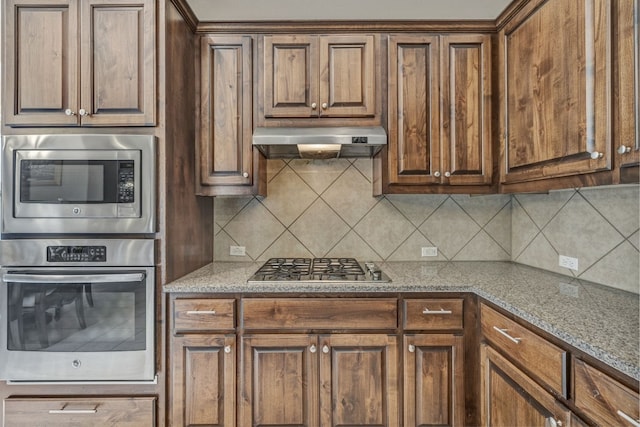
(627, 418)
(441, 311)
(73, 411)
(504, 332)
(201, 312)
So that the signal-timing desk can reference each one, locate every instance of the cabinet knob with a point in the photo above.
(596, 155)
(412, 348)
(436, 174)
(69, 112)
(246, 174)
(314, 105)
(624, 149)
(325, 105)
(447, 174)
(83, 112)
(313, 348)
(227, 349)
(325, 349)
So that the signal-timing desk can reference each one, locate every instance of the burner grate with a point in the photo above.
(317, 270)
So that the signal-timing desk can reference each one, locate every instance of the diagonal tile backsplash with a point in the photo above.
(318, 208)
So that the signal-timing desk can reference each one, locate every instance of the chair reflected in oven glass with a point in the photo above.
(39, 305)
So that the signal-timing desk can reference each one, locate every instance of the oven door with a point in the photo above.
(77, 324)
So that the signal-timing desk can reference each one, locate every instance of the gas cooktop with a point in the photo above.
(319, 270)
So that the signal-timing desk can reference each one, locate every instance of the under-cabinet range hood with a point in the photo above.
(319, 142)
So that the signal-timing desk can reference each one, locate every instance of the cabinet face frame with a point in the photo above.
(532, 149)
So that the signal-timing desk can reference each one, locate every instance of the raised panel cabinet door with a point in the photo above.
(414, 110)
(290, 76)
(225, 110)
(348, 75)
(202, 386)
(627, 88)
(40, 72)
(558, 90)
(117, 51)
(466, 115)
(359, 380)
(510, 398)
(278, 382)
(433, 380)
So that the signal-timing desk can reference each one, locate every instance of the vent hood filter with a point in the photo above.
(319, 143)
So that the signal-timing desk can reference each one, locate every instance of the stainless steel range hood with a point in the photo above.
(319, 143)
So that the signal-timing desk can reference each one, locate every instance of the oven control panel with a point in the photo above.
(76, 253)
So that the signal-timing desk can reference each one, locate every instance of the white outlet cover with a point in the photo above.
(237, 250)
(429, 251)
(568, 262)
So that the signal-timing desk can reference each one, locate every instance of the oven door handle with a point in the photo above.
(73, 278)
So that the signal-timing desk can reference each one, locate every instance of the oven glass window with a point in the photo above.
(78, 317)
(68, 181)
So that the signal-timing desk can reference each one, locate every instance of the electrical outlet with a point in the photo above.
(568, 262)
(430, 251)
(237, 250)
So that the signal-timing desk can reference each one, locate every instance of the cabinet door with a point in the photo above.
(347, 76)
(433, 380)
(291, 75)
(202, 386)
(558, 90)
(225, 111)
(278, 381)
(40, 71)
(359, 380)
(466, 115)
(117, 53)
(414, 110)
(511, 398)
(627, 89)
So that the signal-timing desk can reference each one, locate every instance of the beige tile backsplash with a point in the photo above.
(317, 208)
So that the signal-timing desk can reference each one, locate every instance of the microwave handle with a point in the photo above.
(73, 278)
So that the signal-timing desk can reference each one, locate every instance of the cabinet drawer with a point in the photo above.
(123, 412)
(603, 399)
(441, 314)
(541, 358)
(321, 313)
(203, 314)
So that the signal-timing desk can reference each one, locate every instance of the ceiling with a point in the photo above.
(283, 10)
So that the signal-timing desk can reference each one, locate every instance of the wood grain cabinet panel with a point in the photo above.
(203, 314)
(439, 113)
(557, 89)
(65, 412)
(604, 400)
(80, 63)
(510, 398)
(435, 314)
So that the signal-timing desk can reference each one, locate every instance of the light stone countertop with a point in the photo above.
(600, 321)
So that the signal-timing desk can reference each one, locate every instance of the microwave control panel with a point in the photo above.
(126, 182)
(76, 253)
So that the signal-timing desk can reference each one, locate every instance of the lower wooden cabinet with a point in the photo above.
(511, 398)
(329, 380)
(76, 412)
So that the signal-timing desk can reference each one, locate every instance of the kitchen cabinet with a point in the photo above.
(79, 63)
(228, 165)
(202, 362)
(557, 93)
(439, 114)
(510, 398)
(318, 77)
(627, 90)
(433, 362)
(79, 411)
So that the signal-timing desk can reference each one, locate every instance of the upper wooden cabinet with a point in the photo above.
(79, 63)
(439, 112)
(556, 85)
(228, 164)
(310, 76)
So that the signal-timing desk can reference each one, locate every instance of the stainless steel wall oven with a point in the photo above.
(77, 310)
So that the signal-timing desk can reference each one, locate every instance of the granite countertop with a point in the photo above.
(600, 321)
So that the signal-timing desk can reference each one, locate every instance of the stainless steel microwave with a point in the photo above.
(78, 184)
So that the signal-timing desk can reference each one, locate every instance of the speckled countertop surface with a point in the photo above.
(603, 322)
